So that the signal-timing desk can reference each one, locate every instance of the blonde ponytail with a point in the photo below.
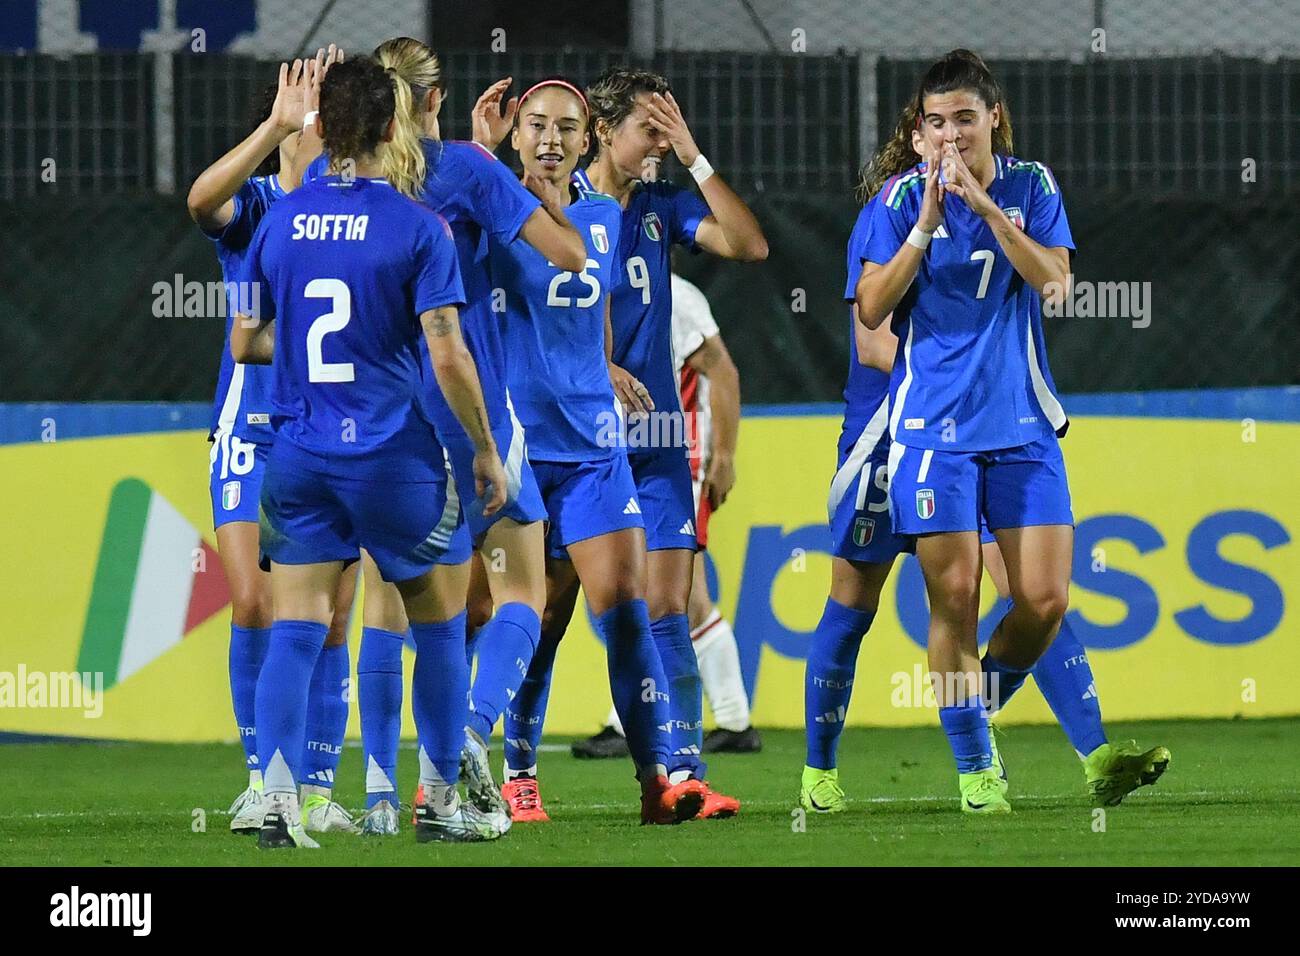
(415, 70)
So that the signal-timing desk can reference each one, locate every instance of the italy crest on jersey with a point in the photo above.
(652, 226)
(1016, 216)
(599, 238)
(230, 495)
(863, 530)
(924, 503)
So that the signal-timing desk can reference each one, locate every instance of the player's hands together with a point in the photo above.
(962, 183)
(931, 214)
(719, 481)
(489, 123)
(489, 480)
(634, 396)
(667, 116)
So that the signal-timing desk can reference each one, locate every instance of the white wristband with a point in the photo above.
(701, 169)
(919, 237)
(309, 119)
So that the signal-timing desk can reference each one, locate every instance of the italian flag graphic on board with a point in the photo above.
(157, 580)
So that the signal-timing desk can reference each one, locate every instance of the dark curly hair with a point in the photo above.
(356, 105)
(613, 94)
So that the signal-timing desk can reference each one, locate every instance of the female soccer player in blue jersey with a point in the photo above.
(973, 418)
(479, 197)
(556, 325)
(353, 271)
(864, 547)
(228, 200)
(635, 117)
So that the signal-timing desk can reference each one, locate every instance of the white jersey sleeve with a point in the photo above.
(693, 320)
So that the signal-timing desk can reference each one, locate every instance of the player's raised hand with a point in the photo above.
(931, 214)
(962, 183)
(634, 397)
(490, 122)
(667, 116)
(325, 58)
(290, 98)
(489, 481)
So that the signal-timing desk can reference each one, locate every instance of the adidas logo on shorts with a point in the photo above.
(688, 528)
(632, 508)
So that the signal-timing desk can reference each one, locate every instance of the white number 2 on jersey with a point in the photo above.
(553, 296)
(318, 370)
(987, 257)
(638, 276)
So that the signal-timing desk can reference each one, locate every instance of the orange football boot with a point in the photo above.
(524, 800)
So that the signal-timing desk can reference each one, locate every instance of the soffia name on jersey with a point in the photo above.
(329, 226)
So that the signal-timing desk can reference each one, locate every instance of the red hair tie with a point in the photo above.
(561, 83)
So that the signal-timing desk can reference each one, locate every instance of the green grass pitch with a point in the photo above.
(1230, 798)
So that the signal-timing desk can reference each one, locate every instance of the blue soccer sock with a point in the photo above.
(828, 679)
(672, 638)
(439, 692)
(967, 727)
(247, 651)
(281, 703)
(637, 683)
(1065, 679)
(472, 635)
(1000, 681)
(525, 715)
(379, 686)
(506, 647)
(327, 716)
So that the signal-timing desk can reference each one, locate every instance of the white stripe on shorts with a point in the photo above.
(857, 458)
(925, 466)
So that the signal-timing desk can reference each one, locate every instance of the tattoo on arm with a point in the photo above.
(441, 325)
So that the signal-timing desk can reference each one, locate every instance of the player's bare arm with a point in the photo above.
(713, 361)
(732, 232)
(631, 394)
(252, 341)
(453, 366)
(549, 231)
(876, 347)
(881, 287)
(211, 198)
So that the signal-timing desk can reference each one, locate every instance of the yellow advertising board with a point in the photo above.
(1185, 583)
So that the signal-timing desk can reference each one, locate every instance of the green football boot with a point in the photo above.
(981, 792)
(819, 791)
(1004, 784)
(1116, 770)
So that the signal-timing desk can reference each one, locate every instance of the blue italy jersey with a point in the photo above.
(479, 197)
(657, 215)
(242, 406)
(971, 372)
(346, 269)
(555, 338)
(866, 387)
